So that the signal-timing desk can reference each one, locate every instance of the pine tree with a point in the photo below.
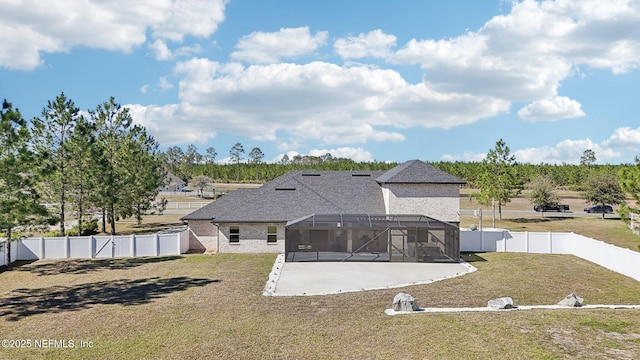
(498, 181)
(19, 198)
(50, 139)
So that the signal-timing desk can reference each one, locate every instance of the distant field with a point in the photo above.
(204, 306)
(571, 198)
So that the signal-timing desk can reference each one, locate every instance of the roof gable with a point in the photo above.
(417, 172)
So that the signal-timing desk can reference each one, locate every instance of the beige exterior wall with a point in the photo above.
(203, 236)
(439, 201)
(253, 239)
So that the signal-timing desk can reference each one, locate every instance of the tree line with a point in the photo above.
(498, 177)
(64, 163)
(189, 163)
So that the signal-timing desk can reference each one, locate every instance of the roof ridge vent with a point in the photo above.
(310, 174)
(285, 189)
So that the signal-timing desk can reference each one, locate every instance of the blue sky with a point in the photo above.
(375, 80)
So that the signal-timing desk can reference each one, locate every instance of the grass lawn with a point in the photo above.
(210, 306)
(199, 306)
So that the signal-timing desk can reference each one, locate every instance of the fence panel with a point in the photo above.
(103, 246)
(620, 260)
(26, 249)
(540, 243)
(80, 247)
(122, 246)
(623, 261)
(167, 244)
(146, 245)
(55, 248)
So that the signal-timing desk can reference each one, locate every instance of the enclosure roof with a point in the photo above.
(417, 172)
(367, 220)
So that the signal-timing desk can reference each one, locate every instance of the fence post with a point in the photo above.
(92, 239)
(67, 247)
(113, 247)
(133, 245)
(42, 254)
(504, 241)
(157, 244)
(550, 242)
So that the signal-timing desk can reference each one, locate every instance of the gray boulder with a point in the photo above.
(404, 302)
(572, 300)
(501, 303)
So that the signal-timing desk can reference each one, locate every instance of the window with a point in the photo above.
(234, 234)
(272, 234)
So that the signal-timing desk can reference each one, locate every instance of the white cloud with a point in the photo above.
(32, 27)
(290, 155)
(625, 137)
(558, 107)
(356, 154)
(466, 156)
(317, 101)
(524, 55)
(164, 83)
(170, 125)
(144, 88)
(264, 47)
(163, 53)
(161, 50)
(567, 151)
(374, 44)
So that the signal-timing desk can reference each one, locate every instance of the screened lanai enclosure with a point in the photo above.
(364, 237)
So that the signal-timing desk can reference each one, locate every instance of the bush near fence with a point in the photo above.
(634, 223)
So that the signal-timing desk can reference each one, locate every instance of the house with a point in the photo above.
(409, 213)
(172, 183)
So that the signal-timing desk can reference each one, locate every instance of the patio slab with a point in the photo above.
(322, 278)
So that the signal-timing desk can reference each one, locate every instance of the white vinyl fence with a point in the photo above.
(3, 254)
(100, 246)
(187, 205)
(623, 261)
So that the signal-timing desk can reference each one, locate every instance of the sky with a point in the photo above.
(369, 80)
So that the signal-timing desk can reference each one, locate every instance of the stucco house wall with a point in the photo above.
(253, 239)
(203, 236)
(439, 201)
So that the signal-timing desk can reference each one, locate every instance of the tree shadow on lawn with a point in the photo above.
(56, 299)
(540, 219)
(84, 266)
(471, 257)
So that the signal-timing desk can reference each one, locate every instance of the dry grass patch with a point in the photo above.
(200, 306)
(150, 224)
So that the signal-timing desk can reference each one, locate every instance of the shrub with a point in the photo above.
(88, 228)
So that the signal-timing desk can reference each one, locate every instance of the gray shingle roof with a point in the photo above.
(301, 193)
(296, 194)
(418, 172)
